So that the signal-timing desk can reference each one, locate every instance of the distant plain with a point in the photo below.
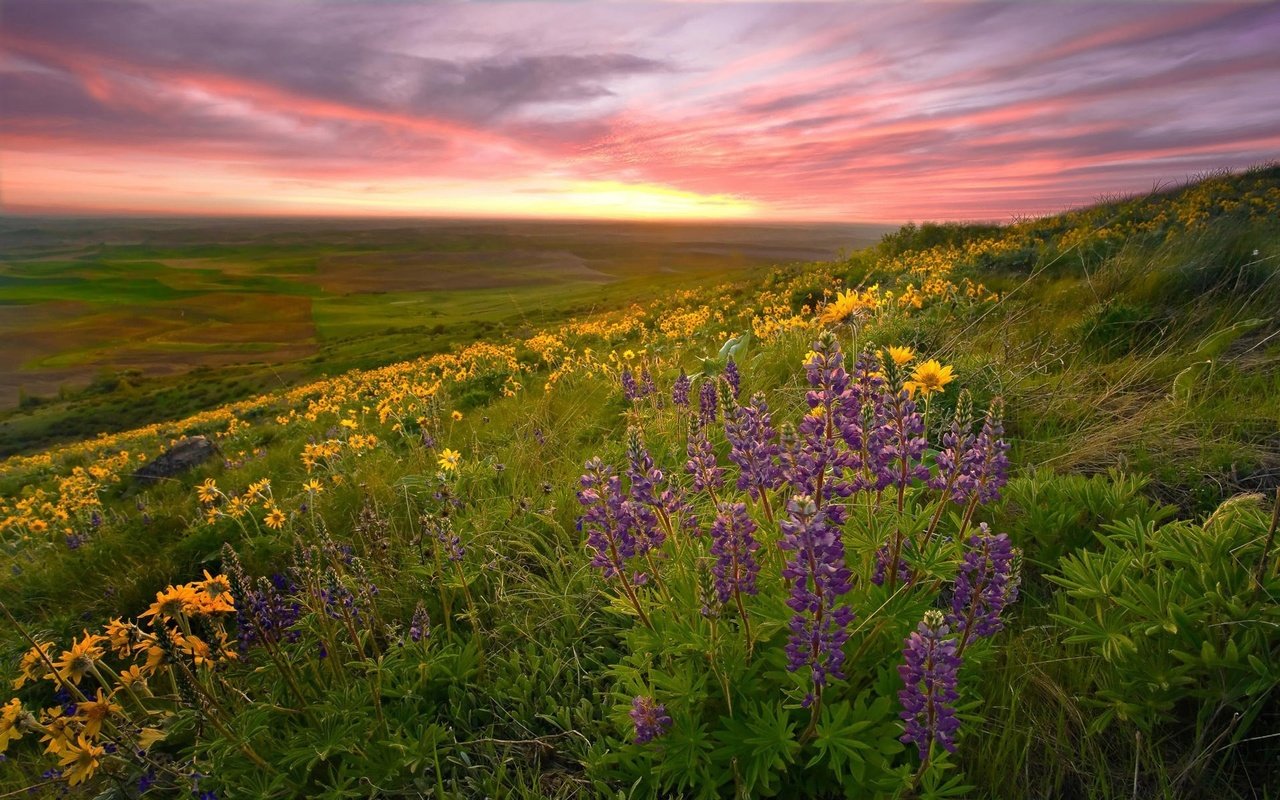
(257, 303)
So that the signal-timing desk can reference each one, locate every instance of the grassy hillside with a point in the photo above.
(801, 566)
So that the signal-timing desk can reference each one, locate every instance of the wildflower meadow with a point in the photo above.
(981, 511)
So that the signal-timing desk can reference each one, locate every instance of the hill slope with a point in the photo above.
(425, 593)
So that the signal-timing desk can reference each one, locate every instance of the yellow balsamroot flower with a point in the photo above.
(34, 665)
(902, 356)
(75, 663)
(174, 602)
(457, 416)
(449, 459)
(91, 713)
(124, 636)
(133, 676)
(10, 713)
(929, 377)
(313, 486)
(208, 491)
(275, 518)
(56, 732)
(214, 594)
(80, 760)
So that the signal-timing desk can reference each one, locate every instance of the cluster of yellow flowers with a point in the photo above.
(122, 707)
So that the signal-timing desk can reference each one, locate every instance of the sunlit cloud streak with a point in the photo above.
(764, 110)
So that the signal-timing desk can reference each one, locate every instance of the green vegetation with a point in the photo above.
(445, 621)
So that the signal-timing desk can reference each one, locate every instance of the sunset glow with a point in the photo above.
(754, 111)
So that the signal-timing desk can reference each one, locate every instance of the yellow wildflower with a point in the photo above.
(10, 713)
(208, 491)
(457, 416)
(174, 602)
(92, 712)
(449, 459)
(81, 760)
(75, 663)
(901, 356)
(275, 518)
(929, 377)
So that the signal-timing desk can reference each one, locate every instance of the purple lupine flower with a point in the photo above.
(420, 624)
(450, 541)
(732, 544)
(985, 584)
(901, 440)
(707, 402)
(986, 464)
(755, 448)
(266, 609)
(650, 718)
(819, 627)
(956, 441)
(929, 672)
(733, 377)
(883, 554)
(854, 413)
(650, 488)
(608, 520)
(680, 391)
(818, 466)
(647, 388)
(643, 476)
(707, 474)
(630, 391)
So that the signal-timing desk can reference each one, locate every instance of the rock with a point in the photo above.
(185, 455)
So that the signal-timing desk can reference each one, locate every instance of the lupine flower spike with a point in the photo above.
(650, 718)
(985, 584)
(819, 626)
(929, 673)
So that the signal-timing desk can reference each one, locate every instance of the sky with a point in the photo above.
(854, 112)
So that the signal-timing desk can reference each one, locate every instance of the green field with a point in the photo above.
(103, 318)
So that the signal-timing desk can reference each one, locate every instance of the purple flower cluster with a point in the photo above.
(654, 502)
(735, 568)
(266, 611)
(420, 624)
(680, 391)
(607, 519)
(733, 377)
(986, 463)
(650, 718)
(708, 410)
(985, 584)
(816, 567)
(633, 391)
(816, 464)
(647, 387)
(755, 448)
(929, 673)
(702, 467)
(897, 440)
(450, 542)
(950, 459)
(630, 391)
